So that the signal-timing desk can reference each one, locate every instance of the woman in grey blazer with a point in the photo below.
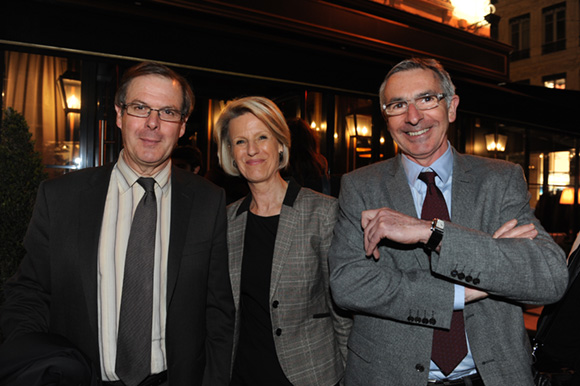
(287, 331)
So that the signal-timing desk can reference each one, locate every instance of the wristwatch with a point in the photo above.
(437, 227)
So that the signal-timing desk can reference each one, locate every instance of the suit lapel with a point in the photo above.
(287, 228)
(464, 190)
(91, 208)
(397, 188)
(399, 194)
(236, 236)
(182, 194)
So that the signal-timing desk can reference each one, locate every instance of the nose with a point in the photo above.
(252, 148)
(153, 120)
(413, 115)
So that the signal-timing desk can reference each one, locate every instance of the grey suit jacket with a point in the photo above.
(396, 299)
(55, 289)
(312, 345)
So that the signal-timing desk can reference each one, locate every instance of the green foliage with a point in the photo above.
(21, 171)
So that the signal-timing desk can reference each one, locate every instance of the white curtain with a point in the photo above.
(31, 89)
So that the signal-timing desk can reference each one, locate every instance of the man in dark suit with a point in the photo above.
(443, 288)
(65, 304)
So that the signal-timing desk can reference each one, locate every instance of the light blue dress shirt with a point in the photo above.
(443, 166)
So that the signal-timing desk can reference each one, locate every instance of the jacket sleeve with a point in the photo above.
(220, 310)
(397, 285)
(27, 293)
(520, 270)
(341, 320)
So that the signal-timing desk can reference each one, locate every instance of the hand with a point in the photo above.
(385, 223)
(507, 230)
(510, 231)
(472, 294)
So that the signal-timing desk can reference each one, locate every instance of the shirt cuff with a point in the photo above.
(459, 301)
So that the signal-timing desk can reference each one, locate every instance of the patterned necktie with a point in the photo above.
(134, 337)
(449, 347)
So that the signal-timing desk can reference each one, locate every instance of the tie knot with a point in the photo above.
(147, 183)
(428, 177)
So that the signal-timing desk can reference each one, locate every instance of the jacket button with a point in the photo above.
(454, 273)
(432, 321)
(419, 367)
(476, 281)
(425, 321)
(461, 276)
(411, 319)
(468, 278)
(278, 331)
(275, 304)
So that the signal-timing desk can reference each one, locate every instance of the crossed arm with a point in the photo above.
(390, 224)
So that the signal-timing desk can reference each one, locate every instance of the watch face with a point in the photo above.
(440, 225)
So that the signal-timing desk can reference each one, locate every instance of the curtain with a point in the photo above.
(32, 90)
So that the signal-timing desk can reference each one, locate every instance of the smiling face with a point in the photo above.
(254, 148)
(421, 135)
(148, 142)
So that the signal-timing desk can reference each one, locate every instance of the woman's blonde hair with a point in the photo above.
(263, 109)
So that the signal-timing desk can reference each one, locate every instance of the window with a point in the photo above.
(32, 87)
(554, 28)
(520, 37)
(555, 81)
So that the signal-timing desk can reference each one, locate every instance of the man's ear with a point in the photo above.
(452, 108)
(119, 119)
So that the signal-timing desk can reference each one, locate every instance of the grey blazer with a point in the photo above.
(396, 299)
(312, 345)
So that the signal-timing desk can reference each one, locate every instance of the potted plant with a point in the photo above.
(21, 171)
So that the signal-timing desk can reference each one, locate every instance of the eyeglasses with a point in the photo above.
(424, 102)
(143, 111)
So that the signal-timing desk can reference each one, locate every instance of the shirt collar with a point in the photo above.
(443, 166)
(128, 177)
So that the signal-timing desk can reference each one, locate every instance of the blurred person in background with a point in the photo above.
(188, 158)
(308, 167)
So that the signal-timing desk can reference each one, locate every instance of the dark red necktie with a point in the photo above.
(449, 347)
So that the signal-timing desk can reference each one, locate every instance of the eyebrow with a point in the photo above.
(138, 101)
(419, 95)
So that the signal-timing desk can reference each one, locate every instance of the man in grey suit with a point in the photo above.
(412, 282)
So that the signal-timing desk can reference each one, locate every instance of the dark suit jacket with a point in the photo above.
(55, 289)
(401, 298)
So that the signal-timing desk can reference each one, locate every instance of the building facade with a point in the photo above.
(323, 61)
(545, 36)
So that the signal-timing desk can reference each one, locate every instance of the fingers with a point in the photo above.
(367, 216)
(527, 231)
(472, 294)
(509, 225)
(371, 239)
(510, 230)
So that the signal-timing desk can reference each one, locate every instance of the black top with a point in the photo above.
(256, 360)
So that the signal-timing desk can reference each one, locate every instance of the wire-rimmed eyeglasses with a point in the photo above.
(424, 102)
(143, 111)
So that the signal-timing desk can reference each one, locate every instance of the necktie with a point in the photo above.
(449, 347)
(134, 337)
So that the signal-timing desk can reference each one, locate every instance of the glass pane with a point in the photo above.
(552, 169)
(33, 89)
(353, 133)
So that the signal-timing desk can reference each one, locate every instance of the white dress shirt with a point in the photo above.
(123, 197)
